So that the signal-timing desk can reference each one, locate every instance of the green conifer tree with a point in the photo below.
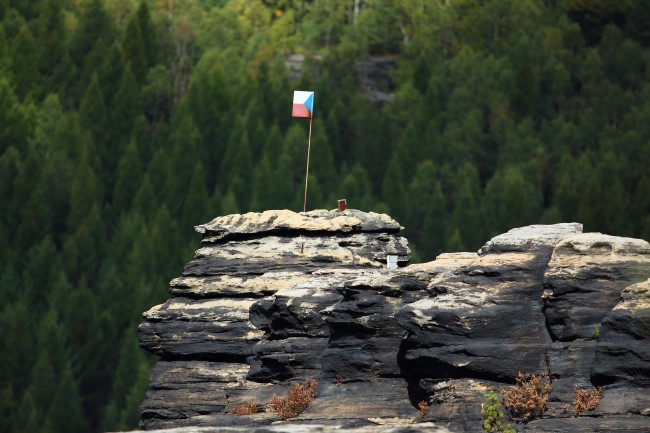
(24, 62)
(66, 410)
(128, 181)
(127, 104)
(149, 35)
(134, 49)
(17, 125)
(195, 206)
(42, 384)
(94, 118)
(85, 192)
(145, 201)
(52, 37)
(83, 250)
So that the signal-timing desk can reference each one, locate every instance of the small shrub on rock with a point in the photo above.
(423, 407)
(493, 416)
(527, 398)
(584, 399)
(296, 400)
(246, 409)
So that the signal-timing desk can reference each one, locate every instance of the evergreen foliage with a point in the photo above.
(123, 124)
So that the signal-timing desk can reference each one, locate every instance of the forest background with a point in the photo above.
(125, 123)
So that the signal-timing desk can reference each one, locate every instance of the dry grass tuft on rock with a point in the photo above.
(295, 401)
(527, 398)
(246, 409)
(423, 407)
(585, 399)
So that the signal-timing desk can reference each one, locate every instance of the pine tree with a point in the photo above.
(128, 181)
(24, 62)
(111, 72)
(466, 215)
(10, 284)
(5, 57)
(606, 216)
(393, 190)
(94, 30)
(149, 35)
(30, 418)
(426, 220)
(7, 409)
(130, 416)
(355, 187)
(17, 337)
(51, 36)
(39, 273)
(35, 218)
(195, 205)
(83, 250)
(157, 95)
(41, 387)
(127, 104)
(185, 151)
(144, 201)
(92, 114)
(85, 192)
(17, 126)
(66, 411)
(134, 49)
(640, 205)
(512, 200)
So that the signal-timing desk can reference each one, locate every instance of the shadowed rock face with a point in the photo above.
(278, 296)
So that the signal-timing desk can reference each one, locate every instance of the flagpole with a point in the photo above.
(307, 171)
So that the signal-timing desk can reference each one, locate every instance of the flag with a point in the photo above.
(303, 104)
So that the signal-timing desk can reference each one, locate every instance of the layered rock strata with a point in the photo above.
(246, 314)
(278, 296)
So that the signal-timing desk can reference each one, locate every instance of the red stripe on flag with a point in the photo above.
(299, 110)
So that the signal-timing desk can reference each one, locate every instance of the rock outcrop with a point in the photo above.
(278, 296)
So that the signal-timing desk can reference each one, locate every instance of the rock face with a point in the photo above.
(278, 296)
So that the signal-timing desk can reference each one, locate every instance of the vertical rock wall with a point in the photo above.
(277, 296)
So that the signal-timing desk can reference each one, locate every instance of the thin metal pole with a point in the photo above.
(304, 208)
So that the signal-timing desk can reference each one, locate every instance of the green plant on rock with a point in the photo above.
(493, 416)
(596, 332)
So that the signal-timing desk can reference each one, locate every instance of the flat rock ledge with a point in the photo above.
(288, 222)
(398, 426)
(276, 297)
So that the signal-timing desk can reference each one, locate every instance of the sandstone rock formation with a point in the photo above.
(278, 296)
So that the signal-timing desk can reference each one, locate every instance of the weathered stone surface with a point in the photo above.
(570, 364)
(182, 390)
(621, 423)
(235, 285)
(357, 401)
(293, 357)
(287, 222)
(477, 316)
(208, 328)
(301, 253)
(528, 239)
(313, 428)
(585, 278)
(277, 297)
(623, 353)
(455, 403)
(296, 311)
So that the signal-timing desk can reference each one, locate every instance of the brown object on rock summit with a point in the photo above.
(278, 297)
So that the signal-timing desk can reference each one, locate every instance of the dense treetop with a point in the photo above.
(125, 123)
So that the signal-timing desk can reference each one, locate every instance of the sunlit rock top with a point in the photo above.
(285, 221)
